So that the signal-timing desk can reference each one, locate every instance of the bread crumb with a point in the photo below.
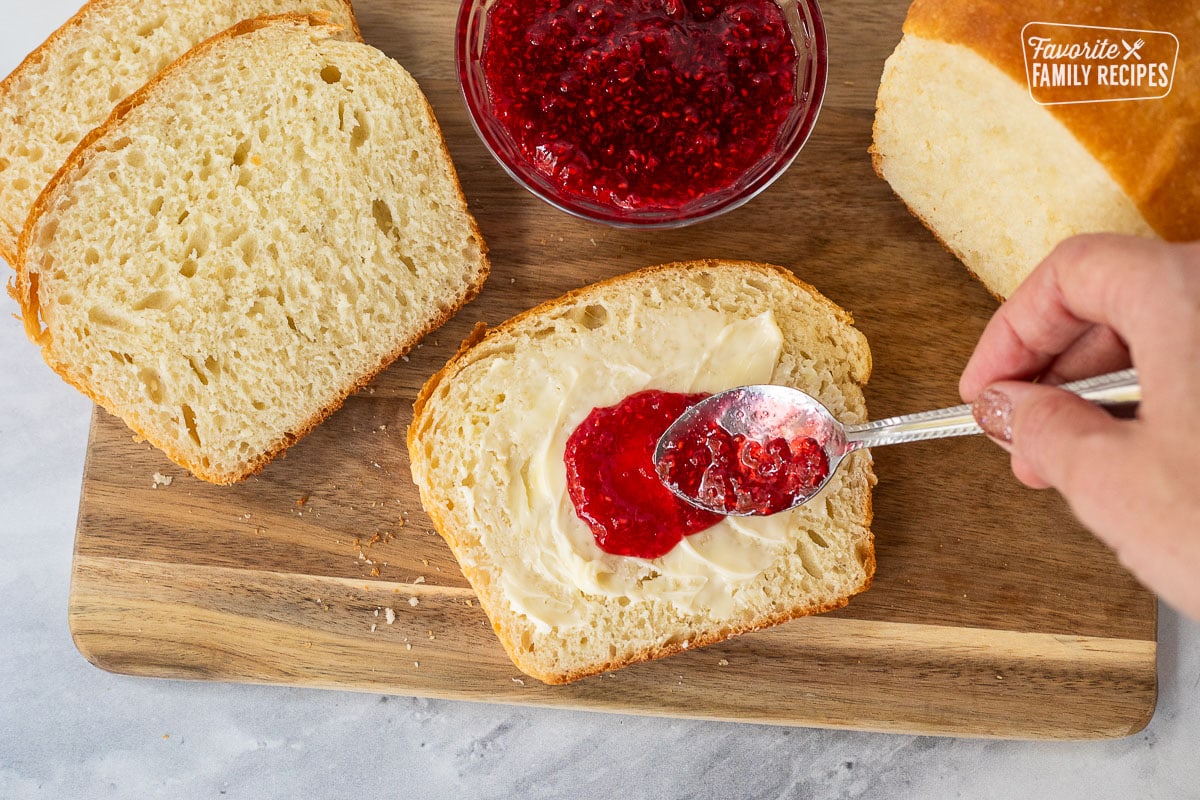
(414, 602)
(374, 572)
(724, 662)
(160, 480)
(300, 501)
(390, 615)
(407, 646)
(419, 579)
(430, 635)
(518, 681)
(373, 627)
(417, 664)
(377, 612)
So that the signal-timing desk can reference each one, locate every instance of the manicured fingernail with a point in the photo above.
(993, 411)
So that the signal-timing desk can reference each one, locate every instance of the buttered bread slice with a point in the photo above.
(247, 240)
(490, 431)
(103, 54)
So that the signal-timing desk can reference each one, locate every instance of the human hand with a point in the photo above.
(1099, 303)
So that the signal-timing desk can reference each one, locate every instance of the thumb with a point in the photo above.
(1056, 438)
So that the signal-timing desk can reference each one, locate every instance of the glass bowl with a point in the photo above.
(803, 18)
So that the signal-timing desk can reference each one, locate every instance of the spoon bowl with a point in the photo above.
(758, 450)
(714, 476)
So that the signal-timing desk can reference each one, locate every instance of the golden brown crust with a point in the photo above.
(702, 640)
(499, 617)
(1151, 148)
(23, 288)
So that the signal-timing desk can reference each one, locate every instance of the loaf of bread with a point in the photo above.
(1000, 179)
(487, 447)
(103, 54)
(248, 239)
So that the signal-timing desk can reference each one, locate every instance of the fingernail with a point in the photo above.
(993, 411)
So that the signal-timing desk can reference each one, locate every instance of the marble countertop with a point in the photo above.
(68, 729)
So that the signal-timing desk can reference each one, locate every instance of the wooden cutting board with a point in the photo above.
(992, 614)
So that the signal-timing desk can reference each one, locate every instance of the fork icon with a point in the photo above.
(1131, 50)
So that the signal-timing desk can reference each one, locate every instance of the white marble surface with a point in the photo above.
(69, 730)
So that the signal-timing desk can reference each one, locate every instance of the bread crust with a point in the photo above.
(23, 288)
(79, 19)
(500, 617)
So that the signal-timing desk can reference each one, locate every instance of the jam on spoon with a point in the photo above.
(790, 424)
(737, 474)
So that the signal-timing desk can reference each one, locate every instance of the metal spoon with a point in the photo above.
(764, 413)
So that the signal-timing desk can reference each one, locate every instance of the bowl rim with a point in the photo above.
(814, 64)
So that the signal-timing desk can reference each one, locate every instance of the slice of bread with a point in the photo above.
(488, 438)
(103, 54)
(1000, 179)
(247, 240)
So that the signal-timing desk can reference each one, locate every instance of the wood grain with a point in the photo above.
(993, 612)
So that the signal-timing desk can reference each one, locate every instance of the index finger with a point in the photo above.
(1098, 279)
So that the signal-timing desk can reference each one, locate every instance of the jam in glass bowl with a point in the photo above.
(649, 113)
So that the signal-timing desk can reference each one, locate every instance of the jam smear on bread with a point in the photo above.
(617, 492)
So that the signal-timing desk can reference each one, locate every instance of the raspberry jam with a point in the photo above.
(612, 482)
(640, 105)
(739, 475)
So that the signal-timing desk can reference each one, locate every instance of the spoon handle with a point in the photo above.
(1114, 389)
